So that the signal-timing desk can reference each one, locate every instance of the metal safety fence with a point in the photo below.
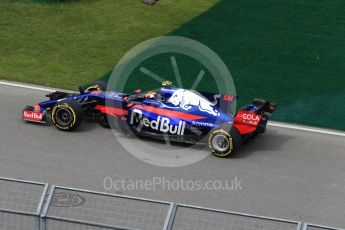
(26, 205)
(75, 208)
(21, 203)
(318, 227)
(191, 218)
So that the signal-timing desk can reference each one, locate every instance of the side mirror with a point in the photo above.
(81, 90)
(137, 91)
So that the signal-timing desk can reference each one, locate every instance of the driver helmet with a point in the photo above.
(150, 95)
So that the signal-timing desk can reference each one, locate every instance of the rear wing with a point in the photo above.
(253, 118)
(261, 107)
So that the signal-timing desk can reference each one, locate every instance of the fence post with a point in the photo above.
(170, 217)
(43, 220)
(40, 205)
(305, 226)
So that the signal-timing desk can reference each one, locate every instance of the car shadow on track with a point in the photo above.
(273, 140)
(88, 125)
(172, 144)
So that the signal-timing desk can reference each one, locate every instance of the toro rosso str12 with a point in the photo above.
(181, 115)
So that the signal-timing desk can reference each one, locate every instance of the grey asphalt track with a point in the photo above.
(284, 174)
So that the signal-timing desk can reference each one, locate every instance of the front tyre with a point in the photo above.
(67, 116)
(223, 143)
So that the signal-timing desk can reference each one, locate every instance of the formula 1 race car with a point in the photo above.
(181, 115)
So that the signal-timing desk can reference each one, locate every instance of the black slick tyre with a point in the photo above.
(67, 115)
(223, 143)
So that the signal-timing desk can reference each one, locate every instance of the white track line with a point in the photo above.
(306, 128)
(270, 123)
(26, 86)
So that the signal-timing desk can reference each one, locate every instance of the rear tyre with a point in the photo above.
(103, 121)
(96, 86)
(223, 143)
(67, 116)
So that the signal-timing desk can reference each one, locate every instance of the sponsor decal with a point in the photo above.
(32, 115)
(185, 99)
(249, 118)
(202, 124)
(227, 97)
(161, 124)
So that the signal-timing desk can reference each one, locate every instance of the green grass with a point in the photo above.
(73, 43)
(290, 52)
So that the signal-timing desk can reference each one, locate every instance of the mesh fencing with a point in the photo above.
(319, 227)
(9, 221)
(111, 210)
(28, 205)
(20, 196)
(20, 204)
(194, 218)
(65, 225)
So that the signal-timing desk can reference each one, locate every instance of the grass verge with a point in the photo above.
(72, 43)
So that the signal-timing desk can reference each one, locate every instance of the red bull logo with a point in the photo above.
(185, 99)
(161, 124)
(32, 116)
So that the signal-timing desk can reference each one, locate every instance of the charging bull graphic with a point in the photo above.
(186, 99)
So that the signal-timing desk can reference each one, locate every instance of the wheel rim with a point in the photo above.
(220, 142)
(63, 116)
